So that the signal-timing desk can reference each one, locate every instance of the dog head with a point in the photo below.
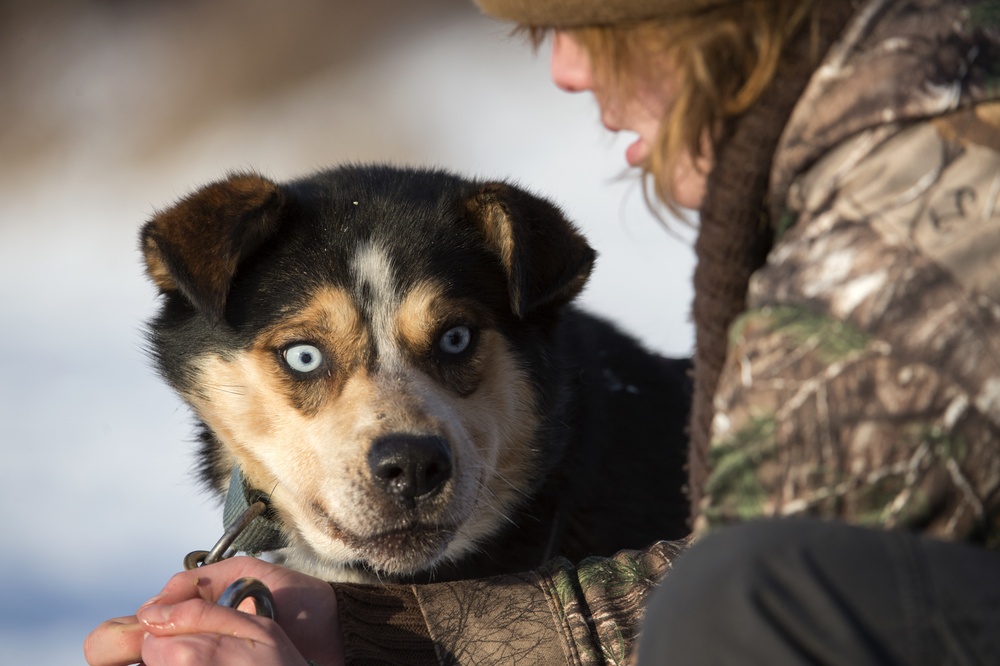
(370, 346)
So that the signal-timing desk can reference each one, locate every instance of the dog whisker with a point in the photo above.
(231, 390)
(513, 486)
(463, 533)
(495, 509)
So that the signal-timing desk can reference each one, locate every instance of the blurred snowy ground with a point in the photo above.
(111, 109)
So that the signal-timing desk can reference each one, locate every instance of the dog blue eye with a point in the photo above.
(303, 358)
(456, 340)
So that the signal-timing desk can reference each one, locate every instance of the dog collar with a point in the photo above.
(263, 533)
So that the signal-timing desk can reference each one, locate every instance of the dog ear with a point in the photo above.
(546, 259)
(195, 246)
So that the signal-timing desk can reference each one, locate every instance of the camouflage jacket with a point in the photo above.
(862, 383)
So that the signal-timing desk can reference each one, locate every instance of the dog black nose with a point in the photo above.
(410, 466)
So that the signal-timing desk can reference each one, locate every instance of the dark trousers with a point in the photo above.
(809, 592)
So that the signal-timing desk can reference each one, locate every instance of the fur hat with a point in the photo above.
(576, 13)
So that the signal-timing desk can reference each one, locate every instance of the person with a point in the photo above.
(843, 158)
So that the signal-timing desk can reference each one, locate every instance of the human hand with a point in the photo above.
(183, 624)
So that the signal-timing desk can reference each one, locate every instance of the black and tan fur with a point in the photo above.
(391, 354)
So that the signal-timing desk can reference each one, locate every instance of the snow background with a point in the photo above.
(112, 109)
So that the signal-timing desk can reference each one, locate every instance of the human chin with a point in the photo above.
(689, 183)
(637, 152)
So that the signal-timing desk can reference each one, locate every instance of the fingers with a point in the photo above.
(199, 632)
(210, 581)
(115, 642)
(119, 641)
(197, 615)
(185, 610)
(214, 650)
(196, 584)
(303, 602)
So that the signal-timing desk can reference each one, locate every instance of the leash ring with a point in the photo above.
(252, 588)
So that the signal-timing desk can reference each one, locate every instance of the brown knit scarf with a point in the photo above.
(736, 232)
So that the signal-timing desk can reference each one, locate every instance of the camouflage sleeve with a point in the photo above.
(863, 384)
(588, 614)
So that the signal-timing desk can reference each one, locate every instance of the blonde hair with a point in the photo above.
(721, 60)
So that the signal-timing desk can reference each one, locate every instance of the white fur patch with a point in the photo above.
(373, 268)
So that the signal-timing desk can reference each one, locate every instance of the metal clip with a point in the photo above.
(243, 588)
(221, 550)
